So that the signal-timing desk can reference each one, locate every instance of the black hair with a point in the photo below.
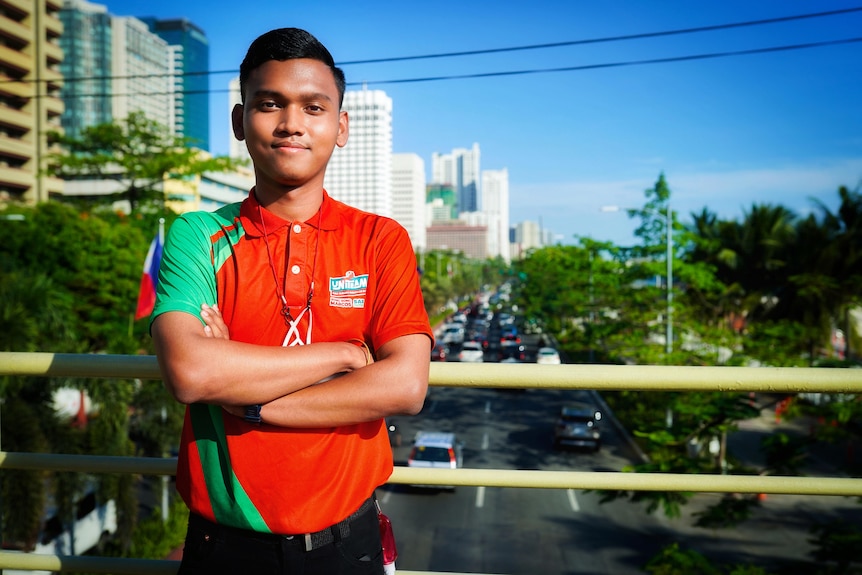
(288, 44)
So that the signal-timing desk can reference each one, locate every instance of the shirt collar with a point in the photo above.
(251, 212)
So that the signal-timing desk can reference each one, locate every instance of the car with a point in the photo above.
(471, 352)
(578, 426)
(95, 522)
(440, 352)
(511, 350)
(453, 333)
(548, 355)
(436, 450)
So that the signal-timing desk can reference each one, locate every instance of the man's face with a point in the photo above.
(290, 122)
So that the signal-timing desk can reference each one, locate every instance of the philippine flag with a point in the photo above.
(149, 279)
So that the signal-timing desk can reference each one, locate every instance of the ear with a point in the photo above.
(343, 129)
(236, 122)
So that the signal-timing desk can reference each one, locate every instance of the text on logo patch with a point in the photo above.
(348, 291)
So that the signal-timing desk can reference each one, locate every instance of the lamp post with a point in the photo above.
(668, 221)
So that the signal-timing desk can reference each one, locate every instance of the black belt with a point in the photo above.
(310, 541)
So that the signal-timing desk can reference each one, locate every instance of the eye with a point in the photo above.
(268, 105)
(314, 108)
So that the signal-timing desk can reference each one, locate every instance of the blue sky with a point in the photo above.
(780, 128)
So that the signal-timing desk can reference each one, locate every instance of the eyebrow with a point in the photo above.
(308, 96)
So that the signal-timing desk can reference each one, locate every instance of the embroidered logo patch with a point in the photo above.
(348, 291)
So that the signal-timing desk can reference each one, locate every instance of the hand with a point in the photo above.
(214, 322)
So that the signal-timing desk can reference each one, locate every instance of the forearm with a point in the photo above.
(201, 369)
(393, 385)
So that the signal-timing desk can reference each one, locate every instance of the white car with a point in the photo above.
(452, 333)
(471, 352)
(436, 450)
(548, 355)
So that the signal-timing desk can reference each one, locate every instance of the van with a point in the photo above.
(438, 450)
(94, 524)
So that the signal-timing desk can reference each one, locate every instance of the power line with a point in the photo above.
(691, 57)
(611, 38)
(619, 64)
(643, 35)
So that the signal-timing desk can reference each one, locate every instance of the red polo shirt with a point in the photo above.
(365, 285)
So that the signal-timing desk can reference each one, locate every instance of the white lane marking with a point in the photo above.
(386, 495)
(573, 501)
(485, 442)
(487, 407)
(480, 497)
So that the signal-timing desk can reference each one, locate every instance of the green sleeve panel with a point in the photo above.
(197, 244)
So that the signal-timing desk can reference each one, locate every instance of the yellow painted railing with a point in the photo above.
(489, 375)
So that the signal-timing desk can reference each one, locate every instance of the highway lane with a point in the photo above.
(530, 531)
(510, 530)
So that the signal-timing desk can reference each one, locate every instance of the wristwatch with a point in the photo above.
(252, 414)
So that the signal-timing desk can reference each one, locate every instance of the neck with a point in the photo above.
(293, 205)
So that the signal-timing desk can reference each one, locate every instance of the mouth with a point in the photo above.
(288, 146)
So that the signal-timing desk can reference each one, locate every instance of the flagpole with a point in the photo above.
(162, 231)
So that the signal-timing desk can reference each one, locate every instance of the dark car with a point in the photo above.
(512, 350)
(440, 352)
(578, 426)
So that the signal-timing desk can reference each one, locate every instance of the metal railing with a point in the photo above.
(488, 375)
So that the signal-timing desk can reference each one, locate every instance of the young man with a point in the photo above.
(291, 325)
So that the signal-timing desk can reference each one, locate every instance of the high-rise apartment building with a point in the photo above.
(461, 170)
(190, 68)
(87, 44)
(141, 72)
(408, 196)
(30, 103)
(360, 174)
(495, 204)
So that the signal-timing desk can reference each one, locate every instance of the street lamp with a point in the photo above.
(668, 221)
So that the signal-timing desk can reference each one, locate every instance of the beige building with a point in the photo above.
(472, 241)
(30, 104)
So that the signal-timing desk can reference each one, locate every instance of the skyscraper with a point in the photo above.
(87, 47)
(360, 174)
(115, 65)
(140, 70)
(461, 170)
(190, 66)
(495, 204)
(408, 196)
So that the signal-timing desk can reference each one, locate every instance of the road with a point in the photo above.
(530, 531)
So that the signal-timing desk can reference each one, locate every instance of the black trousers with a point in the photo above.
(353, 548)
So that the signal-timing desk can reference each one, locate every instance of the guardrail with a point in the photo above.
(597, 377)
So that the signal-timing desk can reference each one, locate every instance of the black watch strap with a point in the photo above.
(252, 414)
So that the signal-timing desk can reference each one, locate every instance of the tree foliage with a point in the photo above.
(68, 284)
(137, 154)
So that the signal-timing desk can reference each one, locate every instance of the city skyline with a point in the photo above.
(763, 113)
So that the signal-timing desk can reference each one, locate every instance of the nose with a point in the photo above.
(290, 120)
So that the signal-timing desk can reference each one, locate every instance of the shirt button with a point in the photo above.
(297, 228)
(294, 270)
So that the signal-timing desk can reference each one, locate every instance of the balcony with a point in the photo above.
(15, 60)
(453, 376)
(14, 30)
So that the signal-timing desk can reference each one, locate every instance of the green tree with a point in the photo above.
(138, 154)
(72, 291)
